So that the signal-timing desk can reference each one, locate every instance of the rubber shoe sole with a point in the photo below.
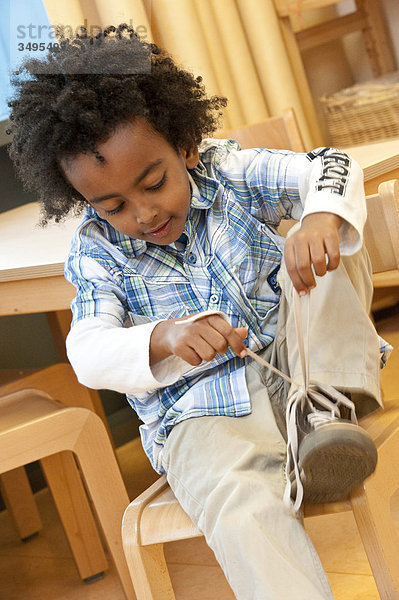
(333, 459)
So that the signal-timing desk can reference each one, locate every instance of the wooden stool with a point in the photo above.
(33, 427)
(61, 473)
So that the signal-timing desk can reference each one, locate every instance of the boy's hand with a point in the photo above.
(196, 341)
(317, 237)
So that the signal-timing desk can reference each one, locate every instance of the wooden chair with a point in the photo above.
(62, 475)
(33, 427)
(155, 517)
(384, 257)
(280, 132)
(367, 18)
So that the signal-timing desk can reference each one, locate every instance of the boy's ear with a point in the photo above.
(191, 157)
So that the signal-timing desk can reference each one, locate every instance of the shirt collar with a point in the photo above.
(209, 187)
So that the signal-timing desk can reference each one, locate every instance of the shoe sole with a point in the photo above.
(334, 459)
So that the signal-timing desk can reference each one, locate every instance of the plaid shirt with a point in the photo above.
(229, 263)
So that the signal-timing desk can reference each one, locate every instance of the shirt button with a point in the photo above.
(214, 299)
(192, 258)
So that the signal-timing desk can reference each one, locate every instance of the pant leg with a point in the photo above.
(228, 475)
(344, 346)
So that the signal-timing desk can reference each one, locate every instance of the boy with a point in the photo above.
(177, 262)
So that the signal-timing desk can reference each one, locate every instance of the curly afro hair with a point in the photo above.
(63, 107)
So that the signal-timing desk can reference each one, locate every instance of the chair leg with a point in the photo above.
(20, 503)
(73, 507)
(149, 569)
(105, 485)
(372, 511)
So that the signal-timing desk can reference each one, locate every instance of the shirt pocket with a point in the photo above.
(157, 295)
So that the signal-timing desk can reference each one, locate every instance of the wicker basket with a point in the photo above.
(365, 112)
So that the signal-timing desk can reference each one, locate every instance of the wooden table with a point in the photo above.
(380, 162)
(31, 262)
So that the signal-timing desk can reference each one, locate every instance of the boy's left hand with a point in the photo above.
(315, 243)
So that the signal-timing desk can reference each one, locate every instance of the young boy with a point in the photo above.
(179, 270)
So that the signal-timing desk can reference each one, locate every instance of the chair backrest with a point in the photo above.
(279, 133)
(381, 232)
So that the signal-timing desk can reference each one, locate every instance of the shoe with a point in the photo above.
(327, 455)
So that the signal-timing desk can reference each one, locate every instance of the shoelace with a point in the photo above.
(303, 397)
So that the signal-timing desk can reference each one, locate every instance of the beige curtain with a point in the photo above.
(236, 46)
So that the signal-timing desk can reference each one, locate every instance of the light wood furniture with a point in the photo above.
(379, 161)
(62, 475)
(155, 517)
(383, 221)
(31, 280)
(367, 18)
(280, 132)
(33, 427)
(32, 262)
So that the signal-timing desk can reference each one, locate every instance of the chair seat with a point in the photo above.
(159, 505)
(18, 408)
(46, 419)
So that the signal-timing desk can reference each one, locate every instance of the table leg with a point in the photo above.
(60, 323)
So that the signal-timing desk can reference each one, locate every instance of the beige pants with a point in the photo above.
(228, 473)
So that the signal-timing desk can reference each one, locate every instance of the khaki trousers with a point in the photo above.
(228, 473)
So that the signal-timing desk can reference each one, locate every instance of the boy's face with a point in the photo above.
(142, 188)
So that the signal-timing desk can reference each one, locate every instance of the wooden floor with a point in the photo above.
(43, 567)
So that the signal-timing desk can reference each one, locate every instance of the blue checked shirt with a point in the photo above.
(227, 260)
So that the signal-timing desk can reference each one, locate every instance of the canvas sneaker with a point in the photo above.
(328, 453)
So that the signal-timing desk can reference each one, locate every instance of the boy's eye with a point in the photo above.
(159, 184)
(114, 210)
(152, 188)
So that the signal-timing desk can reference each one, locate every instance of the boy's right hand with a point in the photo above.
(195, 341)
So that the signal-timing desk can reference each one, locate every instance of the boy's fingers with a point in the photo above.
(333, 253)
(190, 356)
(203, 348)
(233, 337)
(304, 265)
(291, 265)
(318, 256)
(236, 342)
(289, 257)
(242, 332)
(215, 339)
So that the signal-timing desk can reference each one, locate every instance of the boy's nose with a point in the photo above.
(146, 215)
